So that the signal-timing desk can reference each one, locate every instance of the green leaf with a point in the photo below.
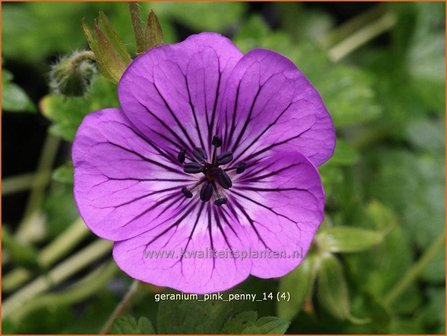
(413, 184)
(349, 95)
(14, 99)
(299, 284)
(434, 272)
(426, 134)
(405, 326)
(201, 16)
(390, 260)
(64, 174)
(60, 208)
(313, 23)
(332, 289)
(426, 56)
(332, 178)
(43, 28)
(238, 322)
(129, 325)
(379, 314)
(20, 253)
(248, 323)
(67, 113)
(194, 317)
(347, 239)
(344, 154)
(268, 325)
(347, 91)
(433, 313)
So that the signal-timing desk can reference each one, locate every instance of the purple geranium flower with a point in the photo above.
(211, 150)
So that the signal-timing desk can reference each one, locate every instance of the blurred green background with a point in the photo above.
(378, 262)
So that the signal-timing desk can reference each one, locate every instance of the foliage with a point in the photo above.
(384, 185)
(14, 99)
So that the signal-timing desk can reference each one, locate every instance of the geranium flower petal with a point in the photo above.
(179, 253)
(123, 184)
(280, 203)
(171, 92)
(269, 106)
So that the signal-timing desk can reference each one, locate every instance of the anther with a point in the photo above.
(224, 180)
(221, 201)
(217, 141)
(199, 154)
(224, 158)
(186, 192)
(206, 191)
(192, 167)
(241, 168)
(181, 156)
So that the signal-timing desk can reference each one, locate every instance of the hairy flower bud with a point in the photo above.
(72, 75)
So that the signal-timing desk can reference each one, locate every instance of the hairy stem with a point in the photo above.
(82, 56)
(121, 307)
(415, 271)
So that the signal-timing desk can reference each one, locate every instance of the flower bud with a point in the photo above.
(72, 75)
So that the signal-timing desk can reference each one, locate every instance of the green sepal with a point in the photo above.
(111, 55)
(153, 35)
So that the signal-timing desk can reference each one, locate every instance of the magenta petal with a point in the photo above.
(123, 184)
(171, 92)
(207, 173)
(280, 203)
(269, 105)
(179, 254)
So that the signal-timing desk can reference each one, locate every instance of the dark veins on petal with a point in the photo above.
(213, 161)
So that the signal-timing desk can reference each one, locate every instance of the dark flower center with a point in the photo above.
(215, 176)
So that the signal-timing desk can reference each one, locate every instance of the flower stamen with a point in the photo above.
(224, 158)
(199, 154)
(241, 167)
(193, 168)
(217, 141)
(206, 191)
(213, 172)
(181, 156)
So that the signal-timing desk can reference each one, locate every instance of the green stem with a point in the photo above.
(415, 271)
(56, 250)
(14, 184)
(26, 231)
(351, 26)
(89, 285)
(121, 307)
(79, 57)
(61, 272)
(362, 36)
